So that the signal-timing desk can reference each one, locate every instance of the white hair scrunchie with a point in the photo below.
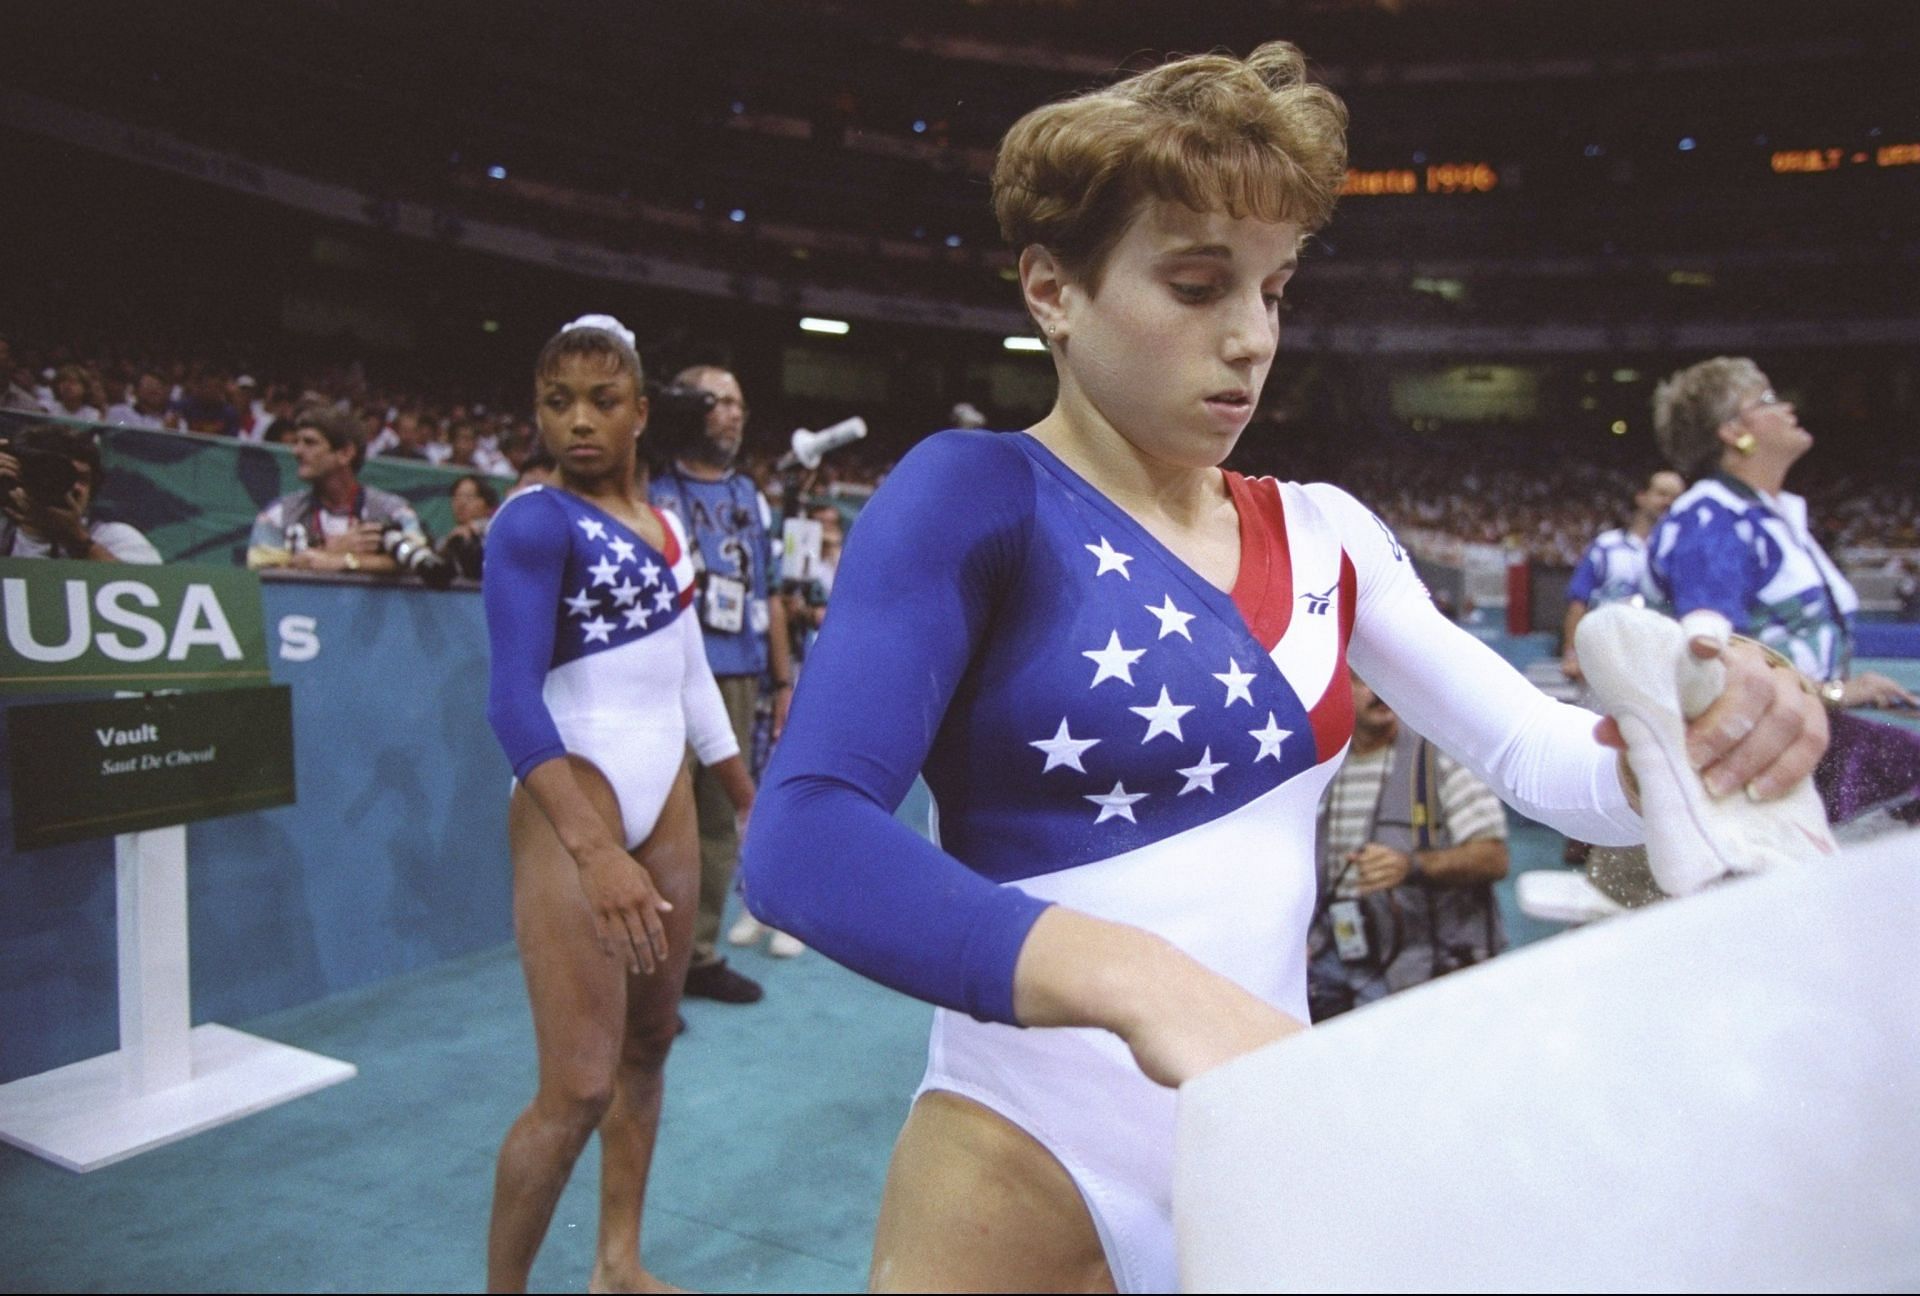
(605, 323)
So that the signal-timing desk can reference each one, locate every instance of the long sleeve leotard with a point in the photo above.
(1101, 727)
(595, 650)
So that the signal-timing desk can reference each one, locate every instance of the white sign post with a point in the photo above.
(169, 1079)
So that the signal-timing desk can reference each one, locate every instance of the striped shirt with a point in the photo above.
(1469, 810)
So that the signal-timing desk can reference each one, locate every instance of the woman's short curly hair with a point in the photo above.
(1689, 408)
(1250, 137)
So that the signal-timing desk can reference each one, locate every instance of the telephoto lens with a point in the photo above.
(417, 560)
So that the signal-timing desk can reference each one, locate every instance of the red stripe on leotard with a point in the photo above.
(1332, 715)
(1263, 589)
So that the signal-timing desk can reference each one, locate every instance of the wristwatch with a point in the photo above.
(351, 562)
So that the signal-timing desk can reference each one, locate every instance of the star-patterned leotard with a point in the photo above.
(1103, 728)
(595, 652)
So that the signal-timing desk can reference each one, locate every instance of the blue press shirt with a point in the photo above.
(730, 527)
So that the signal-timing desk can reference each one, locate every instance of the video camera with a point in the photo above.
(676, 419)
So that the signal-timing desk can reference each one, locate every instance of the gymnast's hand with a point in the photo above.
(1215, 1022)
(1765, 732)
(1180, 1018)
(626, 907)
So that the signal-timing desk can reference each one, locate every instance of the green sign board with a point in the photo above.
(98, 768)
(97, 627)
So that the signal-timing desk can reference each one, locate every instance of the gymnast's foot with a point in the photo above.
(620, 1278)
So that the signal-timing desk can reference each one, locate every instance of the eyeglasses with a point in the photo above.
(1764, 399)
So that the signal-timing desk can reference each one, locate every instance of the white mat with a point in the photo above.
(1719, 1092)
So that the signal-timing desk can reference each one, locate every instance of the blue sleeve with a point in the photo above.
(1586, 577)
(912, 602)
(527, 545)
(1700, 561)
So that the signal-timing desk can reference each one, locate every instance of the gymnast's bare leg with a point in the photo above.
(603, 1033)
(974, 1203)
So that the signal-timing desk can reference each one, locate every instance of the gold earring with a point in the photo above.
(1744, 443)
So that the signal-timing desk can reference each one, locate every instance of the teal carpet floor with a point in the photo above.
(779, 1120)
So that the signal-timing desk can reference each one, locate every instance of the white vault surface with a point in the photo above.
(1715, 1093)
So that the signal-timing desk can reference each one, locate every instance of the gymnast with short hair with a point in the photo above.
(599, 681)
(1123, 673)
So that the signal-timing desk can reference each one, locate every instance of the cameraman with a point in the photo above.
(44, 521)
(745, 628)
(336, 523)
(1410, 843)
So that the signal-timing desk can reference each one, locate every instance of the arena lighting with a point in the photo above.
(489, 326)
(1688, 144)
(919, 128)
(1619, 427)
(738, 215)
(1626, 375)
(496, 173)
(814, 324)
(1024, 344)
(953, 240)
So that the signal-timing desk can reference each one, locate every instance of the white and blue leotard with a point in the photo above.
(1103, 728)
(595, 652)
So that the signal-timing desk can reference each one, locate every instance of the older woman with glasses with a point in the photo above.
(1737, 543)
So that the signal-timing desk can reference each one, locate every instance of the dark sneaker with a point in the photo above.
(716, 980)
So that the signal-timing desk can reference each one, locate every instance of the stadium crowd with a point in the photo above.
(1463, 487)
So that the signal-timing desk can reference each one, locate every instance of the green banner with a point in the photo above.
(196, 496)
(97, 627)
(95, 769)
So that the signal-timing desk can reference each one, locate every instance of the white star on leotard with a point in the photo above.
(1270, 739)
(1111, 559)
(1163, 717)
(663, 600)
(624, 593)
(638, 616)
(1236, 681)
(1114, 661)
(622, 549)
(599, 630)
(1117, 803)
(593, 528)
(1172, 620)
(650, 572)
(580, 604)
(603, 572)
(1201, 776)
(1064, 749)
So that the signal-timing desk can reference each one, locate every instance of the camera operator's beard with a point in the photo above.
(714, 455)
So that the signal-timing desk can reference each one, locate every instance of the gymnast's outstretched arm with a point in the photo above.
(1541, 755)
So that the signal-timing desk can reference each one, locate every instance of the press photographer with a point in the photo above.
(1410, 843)
(744, 625)
(336, 524)
(48, 477)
